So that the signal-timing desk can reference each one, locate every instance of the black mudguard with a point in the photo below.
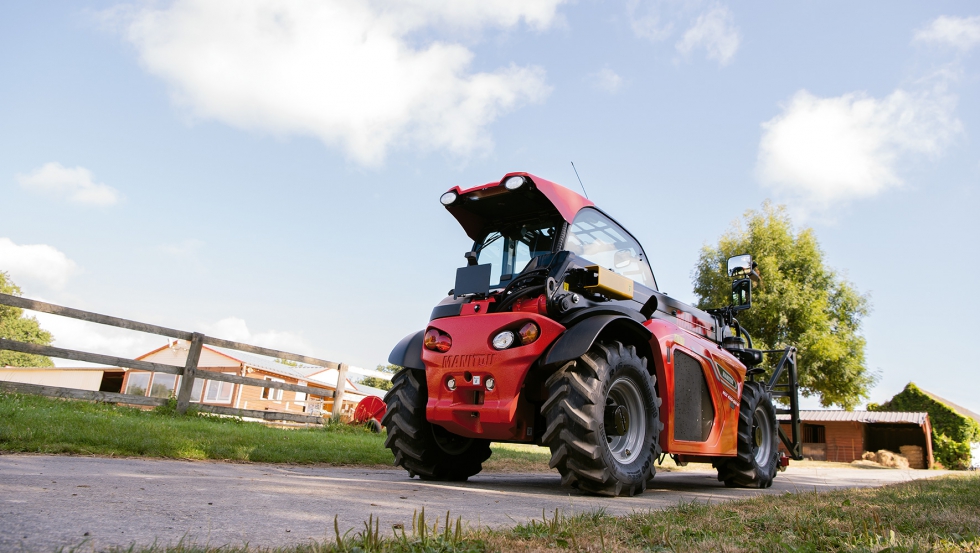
(579, 339)
(408, 352)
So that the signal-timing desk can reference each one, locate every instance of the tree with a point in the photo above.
(799, 302)
(377, 382)
(15, 326)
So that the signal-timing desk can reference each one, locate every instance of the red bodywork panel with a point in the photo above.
(567, 203)
(471, 410)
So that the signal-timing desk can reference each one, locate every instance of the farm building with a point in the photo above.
(955, 429)
(238, 396)
(102, 379)
(843, 436)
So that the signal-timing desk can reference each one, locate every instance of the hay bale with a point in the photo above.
(915, 455)
(891, 459)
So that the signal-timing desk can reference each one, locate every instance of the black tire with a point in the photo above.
(757, 460)
(590, 456)
(373, 425)
(423, 449)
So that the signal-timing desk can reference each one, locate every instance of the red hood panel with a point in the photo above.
(563, 200)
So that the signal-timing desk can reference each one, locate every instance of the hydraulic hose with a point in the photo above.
(742, 331)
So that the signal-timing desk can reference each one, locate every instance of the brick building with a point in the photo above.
(843, 436)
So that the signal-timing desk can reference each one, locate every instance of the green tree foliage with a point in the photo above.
(799, 302)
(15, 326)
(380, 383)
(951, 432)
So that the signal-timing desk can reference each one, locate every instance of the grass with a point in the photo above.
(36, 424)
(518, 458)
(924, 515)
(940, 515)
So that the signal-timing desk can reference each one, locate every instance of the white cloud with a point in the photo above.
(235, 329)
(715, 32)
(35, 264)
(354, 74)
(105, 340)
(648, 20)
(831, 150)
(606, 79)
(76, 184)
(962, 33)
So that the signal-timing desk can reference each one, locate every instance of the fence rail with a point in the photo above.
(189, 372)
(129, 399)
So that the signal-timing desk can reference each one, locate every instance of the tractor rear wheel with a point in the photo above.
(424, 449)
(603, 421)
(757, 460)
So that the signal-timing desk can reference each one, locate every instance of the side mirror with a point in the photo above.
(739, 265)
(741, 294)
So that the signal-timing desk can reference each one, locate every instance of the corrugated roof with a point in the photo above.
(267, 363)
(863, 416)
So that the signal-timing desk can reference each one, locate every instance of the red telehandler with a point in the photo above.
(555, 334)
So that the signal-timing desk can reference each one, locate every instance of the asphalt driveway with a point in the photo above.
(52, 501)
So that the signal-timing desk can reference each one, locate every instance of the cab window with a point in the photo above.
(510, 249)
(595, 237)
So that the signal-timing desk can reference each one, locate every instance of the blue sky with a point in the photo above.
(269, 171)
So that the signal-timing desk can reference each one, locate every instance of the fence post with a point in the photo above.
(338, 395)
(187, 377)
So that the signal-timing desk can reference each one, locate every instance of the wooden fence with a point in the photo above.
(188, 372)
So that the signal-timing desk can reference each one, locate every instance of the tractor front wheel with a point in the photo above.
(603, 421)
(757, 459)
(424, 449)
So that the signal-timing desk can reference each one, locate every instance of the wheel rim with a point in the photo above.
(449, 442)
(762, 436)
(626, 448)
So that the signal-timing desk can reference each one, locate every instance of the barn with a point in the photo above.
(843, 436)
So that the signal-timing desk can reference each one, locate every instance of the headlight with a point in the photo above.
(448, 198)
(503, 340)
(513, 183)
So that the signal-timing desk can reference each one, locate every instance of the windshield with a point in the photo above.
(509, 250)
(598, 239)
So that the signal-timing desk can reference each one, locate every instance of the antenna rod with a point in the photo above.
(579, 180)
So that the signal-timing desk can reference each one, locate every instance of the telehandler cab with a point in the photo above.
(555, 334)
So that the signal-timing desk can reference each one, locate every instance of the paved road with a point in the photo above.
(52, 501)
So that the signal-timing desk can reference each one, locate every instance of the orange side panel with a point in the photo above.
(669, 339)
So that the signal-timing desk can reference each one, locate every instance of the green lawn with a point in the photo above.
(46, 425)
(36, 424)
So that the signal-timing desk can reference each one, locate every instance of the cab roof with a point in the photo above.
(475, 207)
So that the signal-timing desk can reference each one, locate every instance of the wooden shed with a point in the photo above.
(843, 436)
